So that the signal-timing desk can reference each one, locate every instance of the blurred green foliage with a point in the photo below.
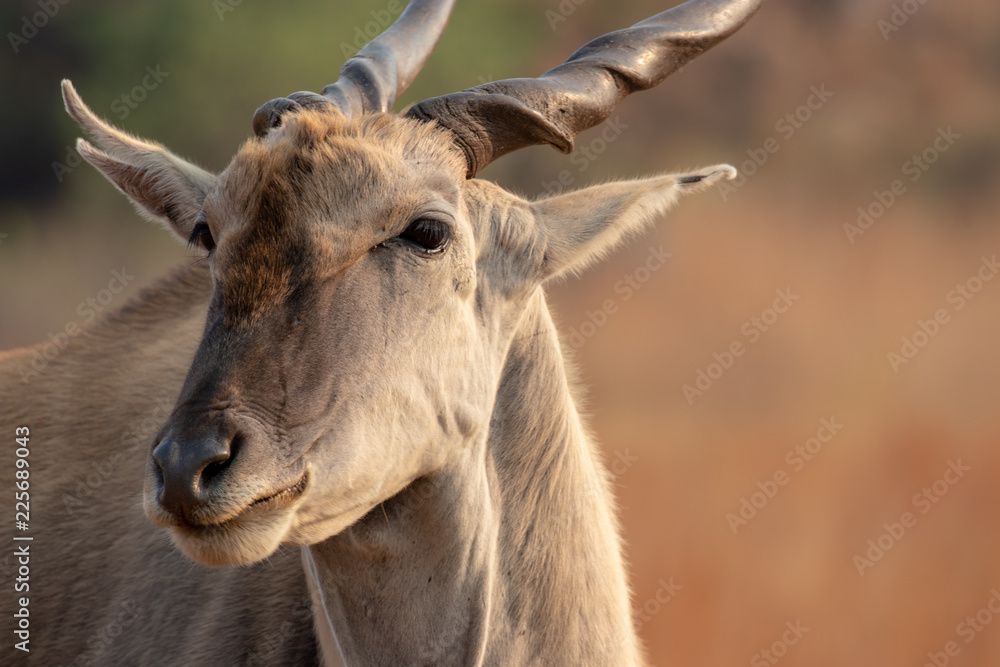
(222, 60)
(225, 57)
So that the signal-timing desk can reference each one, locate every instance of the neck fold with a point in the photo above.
(509, 555)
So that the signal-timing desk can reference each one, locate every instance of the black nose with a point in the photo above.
(188, 470)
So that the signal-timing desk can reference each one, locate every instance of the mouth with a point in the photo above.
(225, 514)
(278, 500)
(271, 504)
(238, 536)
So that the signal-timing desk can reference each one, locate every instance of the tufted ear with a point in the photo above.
(163, 187)
(577, 228)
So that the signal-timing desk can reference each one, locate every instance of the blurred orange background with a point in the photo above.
(878, 546)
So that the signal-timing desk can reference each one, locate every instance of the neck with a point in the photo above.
(509, 555)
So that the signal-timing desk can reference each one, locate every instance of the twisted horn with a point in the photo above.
(373, 79)
(496, 118)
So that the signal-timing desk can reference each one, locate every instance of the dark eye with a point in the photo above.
(201, 235)
(429, 235)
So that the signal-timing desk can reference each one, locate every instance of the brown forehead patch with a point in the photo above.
(266, 197)
(315, 167)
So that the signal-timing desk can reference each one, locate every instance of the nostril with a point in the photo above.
(217, 464)
(211, 471)
(207, 464)
(187, 471)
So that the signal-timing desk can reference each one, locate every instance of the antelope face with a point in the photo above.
(364, 291)
(364, 296)
(344, 353)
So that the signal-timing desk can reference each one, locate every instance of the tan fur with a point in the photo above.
(106, 586)
(454, 504)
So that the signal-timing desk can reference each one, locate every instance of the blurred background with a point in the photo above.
(830, 495)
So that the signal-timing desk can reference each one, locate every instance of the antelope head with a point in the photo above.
(365, 286)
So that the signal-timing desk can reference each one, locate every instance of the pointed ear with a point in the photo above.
(163, 187)
(579, 227)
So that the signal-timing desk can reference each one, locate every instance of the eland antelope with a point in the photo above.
(360, 398)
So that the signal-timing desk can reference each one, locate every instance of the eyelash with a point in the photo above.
(201, 235)
(427, 234)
